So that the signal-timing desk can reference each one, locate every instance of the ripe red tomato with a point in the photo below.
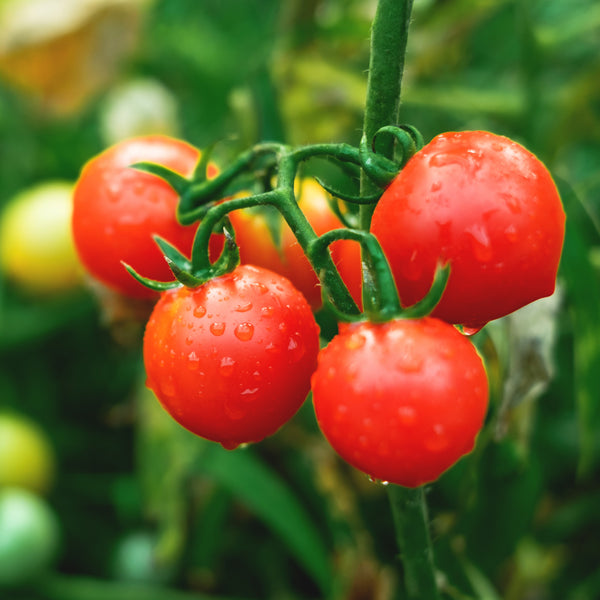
(257, 246)
(118, 209)
(401, 401)
(231, 360)
(488, 207)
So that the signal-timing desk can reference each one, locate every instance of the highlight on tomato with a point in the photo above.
(36, 247)
(485, 205)
(118, 209)
(401, 401)
(231, 359)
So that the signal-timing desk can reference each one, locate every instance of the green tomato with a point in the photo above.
(29, 536)
(27, 458)
(36, 246)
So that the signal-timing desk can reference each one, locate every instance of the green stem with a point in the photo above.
(389, 36)
(409, 511)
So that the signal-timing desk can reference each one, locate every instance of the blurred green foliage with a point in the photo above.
(517, 519)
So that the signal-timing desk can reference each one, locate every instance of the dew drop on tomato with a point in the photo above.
(226, 366)
(199, 311)
(244, 332)
(217, 328)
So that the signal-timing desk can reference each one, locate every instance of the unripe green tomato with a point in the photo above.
(36, 246)
(135, 559)
(29, 536)
(27, 458)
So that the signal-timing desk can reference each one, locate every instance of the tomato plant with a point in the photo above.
(401, 401)
(279, 250)
(29, 536)
(118, 209)
(487, 206)
(26, 456)
(36, 247)
(231, 360)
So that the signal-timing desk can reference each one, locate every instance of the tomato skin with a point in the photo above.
(487, 206)
(401, 401)
(117, 210)
(231, 360)
(257, 246)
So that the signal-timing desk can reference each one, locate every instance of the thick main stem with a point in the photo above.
(412, 534)
(389, 36)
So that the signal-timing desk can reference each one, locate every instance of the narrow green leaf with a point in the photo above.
(262, 491)
(157, 286)
(583, 292)
(175, 180)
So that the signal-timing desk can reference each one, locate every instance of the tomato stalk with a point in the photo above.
(409, 511)
(389, 38)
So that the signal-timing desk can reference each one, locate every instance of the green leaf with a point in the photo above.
(264, 492)
(583, 291)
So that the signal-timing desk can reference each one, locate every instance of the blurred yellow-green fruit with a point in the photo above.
(36, 245)
(29, 537)
(27, 458)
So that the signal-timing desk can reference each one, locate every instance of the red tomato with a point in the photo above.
(257, 246)
(231, 360)
(401, 401)
(118, 209)
(488, 207)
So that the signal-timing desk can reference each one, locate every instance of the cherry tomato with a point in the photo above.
(27, 458)
(401, 401)
(487, 206)
(29, 536)
(231, 360)
(118, 209)
(257, 246)
(36, 247)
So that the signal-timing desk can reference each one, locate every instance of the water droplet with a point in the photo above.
(261, 287)
(480, 243)
(226, 366)
(267, 311)
(199, 311)
(283, 326)
(229, 444)
(193, 361)
(248, 392)
(189, 340)
(511, 233)
(272, 348)
(217, 328)
(471, 329)
(167, 388)
(244, 332)
(411, 268)
(514, 205)
(444, 159)
(407, 415)
(296, 349)
(437, 441)
(436, 186)
(243, 307)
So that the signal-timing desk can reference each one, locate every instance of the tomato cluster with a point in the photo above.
(233, 357)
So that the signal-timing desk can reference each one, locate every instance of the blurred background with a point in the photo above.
(119, 501)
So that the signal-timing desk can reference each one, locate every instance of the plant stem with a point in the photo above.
(412, 534)
(389, 36)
